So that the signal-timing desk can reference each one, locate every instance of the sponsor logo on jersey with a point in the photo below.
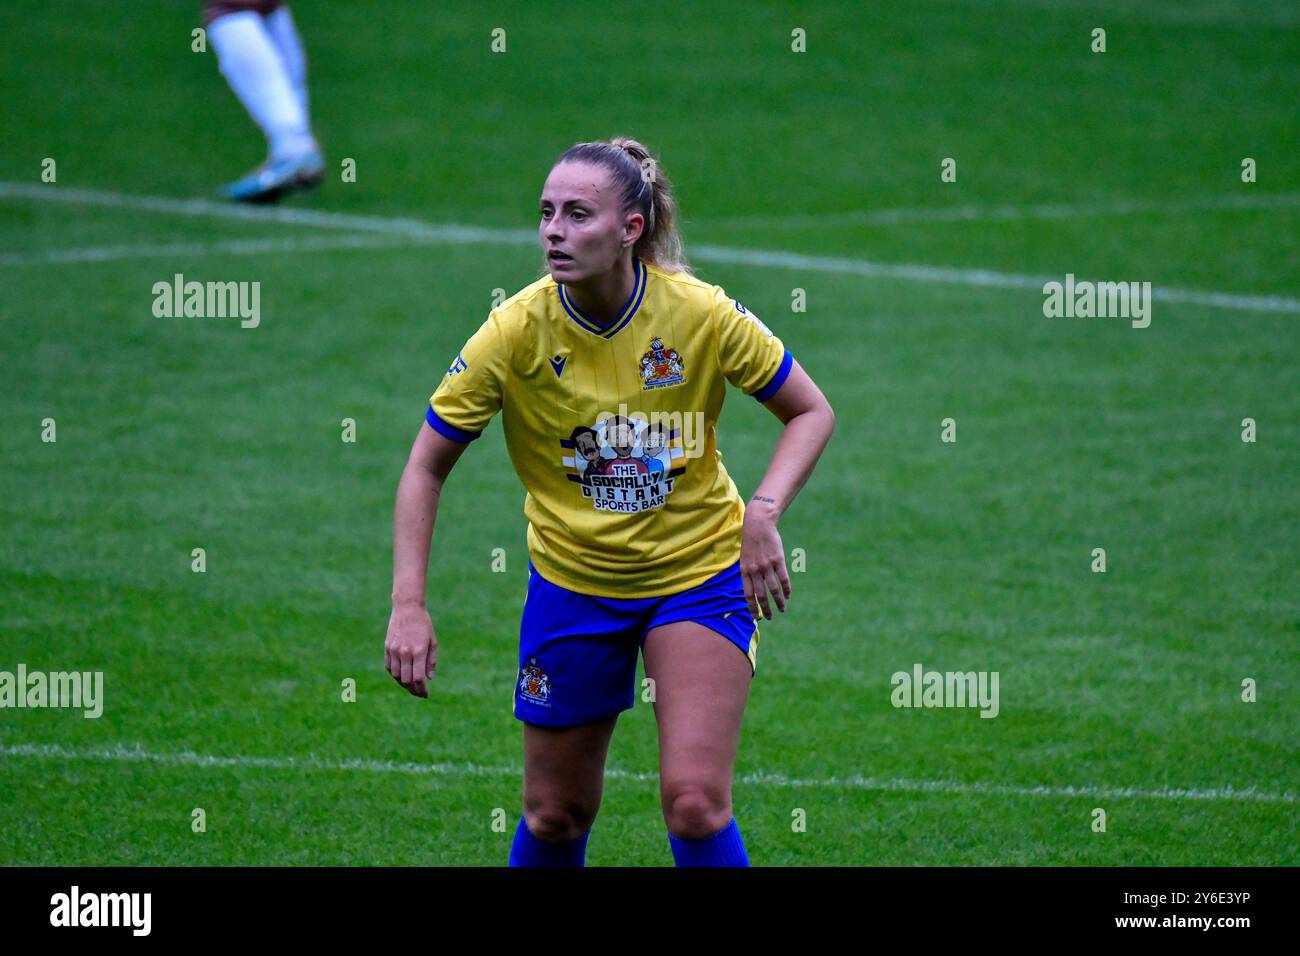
(661, 366)
(623, 464)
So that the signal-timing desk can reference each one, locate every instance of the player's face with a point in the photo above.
(580, 217)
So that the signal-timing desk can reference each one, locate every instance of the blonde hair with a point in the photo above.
(645, 188)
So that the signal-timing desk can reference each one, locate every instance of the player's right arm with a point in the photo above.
(467, 398)
(411, 649)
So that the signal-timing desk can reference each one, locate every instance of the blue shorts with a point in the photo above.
(577, 652)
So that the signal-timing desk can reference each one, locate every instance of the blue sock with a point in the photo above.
(527, 850)
(724, 848)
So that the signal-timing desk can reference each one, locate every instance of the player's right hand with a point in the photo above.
(411, 650)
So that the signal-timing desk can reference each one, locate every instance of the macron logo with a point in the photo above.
(102, 909)
(557, 363)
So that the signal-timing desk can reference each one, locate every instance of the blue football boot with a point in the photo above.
(276, 178)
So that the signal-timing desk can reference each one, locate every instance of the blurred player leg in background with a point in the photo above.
(262, 58)
(284, 34)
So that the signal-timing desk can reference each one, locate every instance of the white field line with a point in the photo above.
(227, 247)
(416, 231)
(975, 277)
(318, 219)
(1004, 213)
(186, 758)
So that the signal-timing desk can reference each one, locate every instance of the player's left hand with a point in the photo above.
(762, 564)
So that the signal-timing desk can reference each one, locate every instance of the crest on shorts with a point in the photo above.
(534, 683)
(661, 366)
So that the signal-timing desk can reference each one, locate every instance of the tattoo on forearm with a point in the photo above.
(770, 501)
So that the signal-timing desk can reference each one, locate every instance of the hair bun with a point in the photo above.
(633, 149)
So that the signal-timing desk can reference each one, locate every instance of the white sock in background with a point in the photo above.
(280, 25)
(253, 68)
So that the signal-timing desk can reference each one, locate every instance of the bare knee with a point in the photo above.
(694, 812)
(558, 821)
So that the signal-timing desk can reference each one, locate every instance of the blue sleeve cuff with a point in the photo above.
(449, 431)
(782, 373)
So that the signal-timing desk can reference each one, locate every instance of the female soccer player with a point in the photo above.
(610, 373)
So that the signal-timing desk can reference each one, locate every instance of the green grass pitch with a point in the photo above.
(1119, 691)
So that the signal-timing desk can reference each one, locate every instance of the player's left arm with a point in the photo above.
(809, 420)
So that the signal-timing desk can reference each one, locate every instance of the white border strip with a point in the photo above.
(188, 758)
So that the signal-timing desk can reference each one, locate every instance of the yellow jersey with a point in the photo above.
(613, 430)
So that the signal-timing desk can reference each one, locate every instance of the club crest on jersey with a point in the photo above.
(535, 683)
(661, 366)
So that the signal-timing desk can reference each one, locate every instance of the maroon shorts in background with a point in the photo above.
(219, 8)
